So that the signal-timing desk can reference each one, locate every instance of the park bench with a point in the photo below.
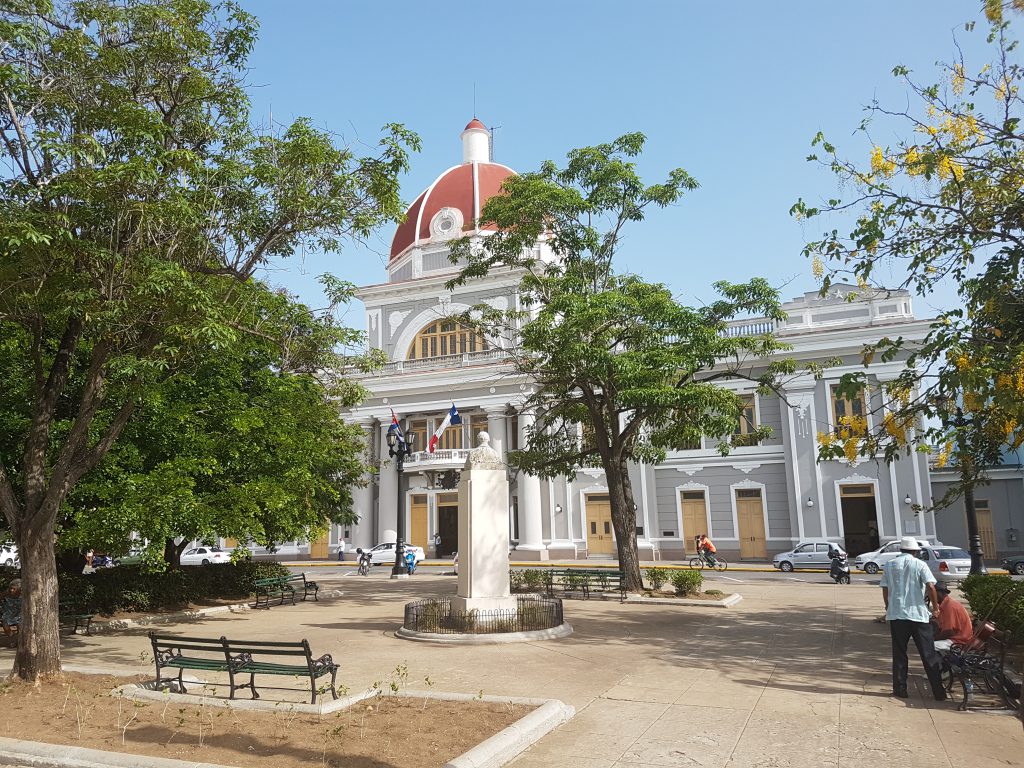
(240, 657)
(586, 580)
(980, 668)
(71, 615)
(282, 587)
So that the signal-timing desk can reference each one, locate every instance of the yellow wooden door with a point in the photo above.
(695, 517)
(418, 521)
(318, 548)
(230, 543)
(985, 529)
(750, 517)
(600, 540)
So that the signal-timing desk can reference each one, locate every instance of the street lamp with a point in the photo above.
(399, 449)
(953, 414)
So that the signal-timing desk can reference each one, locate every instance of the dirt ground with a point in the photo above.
(404, 732)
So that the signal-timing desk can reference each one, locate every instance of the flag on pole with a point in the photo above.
(452, 417)
(396, 428)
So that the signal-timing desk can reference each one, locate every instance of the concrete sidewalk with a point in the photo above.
(796, 675)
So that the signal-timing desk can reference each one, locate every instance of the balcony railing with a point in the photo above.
(444, 361)
(443, 458)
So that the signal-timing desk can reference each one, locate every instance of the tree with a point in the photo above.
(610, 352)
(943, 204)
(247, 443)
(136, 202)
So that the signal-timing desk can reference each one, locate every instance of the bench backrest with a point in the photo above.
(268, 647)
(271, 581)
(182, 643)
(297, 577)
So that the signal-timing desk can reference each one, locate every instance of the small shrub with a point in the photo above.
(657, 577)
(997, 598)
(714, 593)
(575, 581)
(534, 580)
(517, 580)
(687, 582)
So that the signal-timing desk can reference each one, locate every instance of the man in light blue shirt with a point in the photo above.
(908, 588)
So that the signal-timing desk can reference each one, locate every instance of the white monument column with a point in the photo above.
(387, 500)
(531, 530)
(483, 533)
(362, 503)
(496, 428)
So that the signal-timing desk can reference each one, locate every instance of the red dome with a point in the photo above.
(474, 123)
(465, 187)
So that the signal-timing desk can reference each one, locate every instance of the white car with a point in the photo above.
(8, 554)
(205, 556)
(875, 560)
(384, 554)
(809, 554)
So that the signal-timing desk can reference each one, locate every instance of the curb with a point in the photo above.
(727, 602)
(38, 754)
(522, 734)
(98, 627)
(496, 638)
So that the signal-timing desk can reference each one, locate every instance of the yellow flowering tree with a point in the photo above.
(943, 205)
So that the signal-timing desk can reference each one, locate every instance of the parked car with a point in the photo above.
(873, 561)
(384, 553)
(9, 554)
(134, 557)
(947, 563)
(1014, 564)
(809, 553)
(205, 556)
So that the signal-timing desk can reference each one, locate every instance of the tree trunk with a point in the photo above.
(172, 552)
(38, 654)
(620, 492)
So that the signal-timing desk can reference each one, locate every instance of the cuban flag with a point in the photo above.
(396, 428)
(452, 417)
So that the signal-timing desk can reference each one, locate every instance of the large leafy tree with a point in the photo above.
(136, 198)
(942, 205)
(247, 443)
(620, 371)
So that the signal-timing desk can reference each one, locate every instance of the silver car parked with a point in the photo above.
(949, 564)
(809, 553)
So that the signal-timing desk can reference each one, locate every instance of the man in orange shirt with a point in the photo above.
(952, 623)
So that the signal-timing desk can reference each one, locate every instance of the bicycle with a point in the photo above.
(364, 566)
(701, 562)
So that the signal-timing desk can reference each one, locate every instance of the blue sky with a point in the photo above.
(732, 92)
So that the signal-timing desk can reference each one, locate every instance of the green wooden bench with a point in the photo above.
(586, 580)
(71, 615)
(239, 657)
(283, 587)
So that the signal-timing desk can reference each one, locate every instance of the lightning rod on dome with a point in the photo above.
(490, 144)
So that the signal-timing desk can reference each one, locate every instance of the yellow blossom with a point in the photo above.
(881, 164)
(958, 79)
(850, 449)
(912, 162)
(962, 362)
(817, 267)
(826, 439)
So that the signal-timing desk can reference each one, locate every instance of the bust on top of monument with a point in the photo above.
(483, 456)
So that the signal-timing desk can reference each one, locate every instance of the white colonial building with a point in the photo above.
(760, 499)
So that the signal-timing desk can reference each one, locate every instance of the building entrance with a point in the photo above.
(318, 548)
(600, 540)
(448, 523)
(418, 521)
(750, 520)
(860, 518)
(695, 518)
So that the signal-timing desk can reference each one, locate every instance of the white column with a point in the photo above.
(362, 505)
(496, 428)
(531, 530)
(387, 500)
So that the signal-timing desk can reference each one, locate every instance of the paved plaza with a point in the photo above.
(795, 675)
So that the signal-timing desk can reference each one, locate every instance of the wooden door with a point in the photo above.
(988, 534)
(600, 540)
(695, 517)
(750, 517)
(418, 521)
(318, 548)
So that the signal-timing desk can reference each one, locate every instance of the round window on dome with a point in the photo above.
(446, 223)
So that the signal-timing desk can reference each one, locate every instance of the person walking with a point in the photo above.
(341, 550)
(908, 591)
(437, 543)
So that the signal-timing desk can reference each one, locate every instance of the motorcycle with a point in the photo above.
(839, 571)
(410, 561)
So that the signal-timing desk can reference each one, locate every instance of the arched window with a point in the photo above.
(445, 337)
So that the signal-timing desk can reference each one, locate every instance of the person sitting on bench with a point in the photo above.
(10, 609)
(952, 622)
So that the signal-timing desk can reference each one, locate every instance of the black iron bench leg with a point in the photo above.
(181, 683)
(252, 685)
(312, 686)
(334, 677)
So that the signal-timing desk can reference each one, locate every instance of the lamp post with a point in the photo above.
(965, 464)
(399, 449)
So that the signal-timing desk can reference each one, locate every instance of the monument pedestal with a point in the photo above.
(483, 534)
